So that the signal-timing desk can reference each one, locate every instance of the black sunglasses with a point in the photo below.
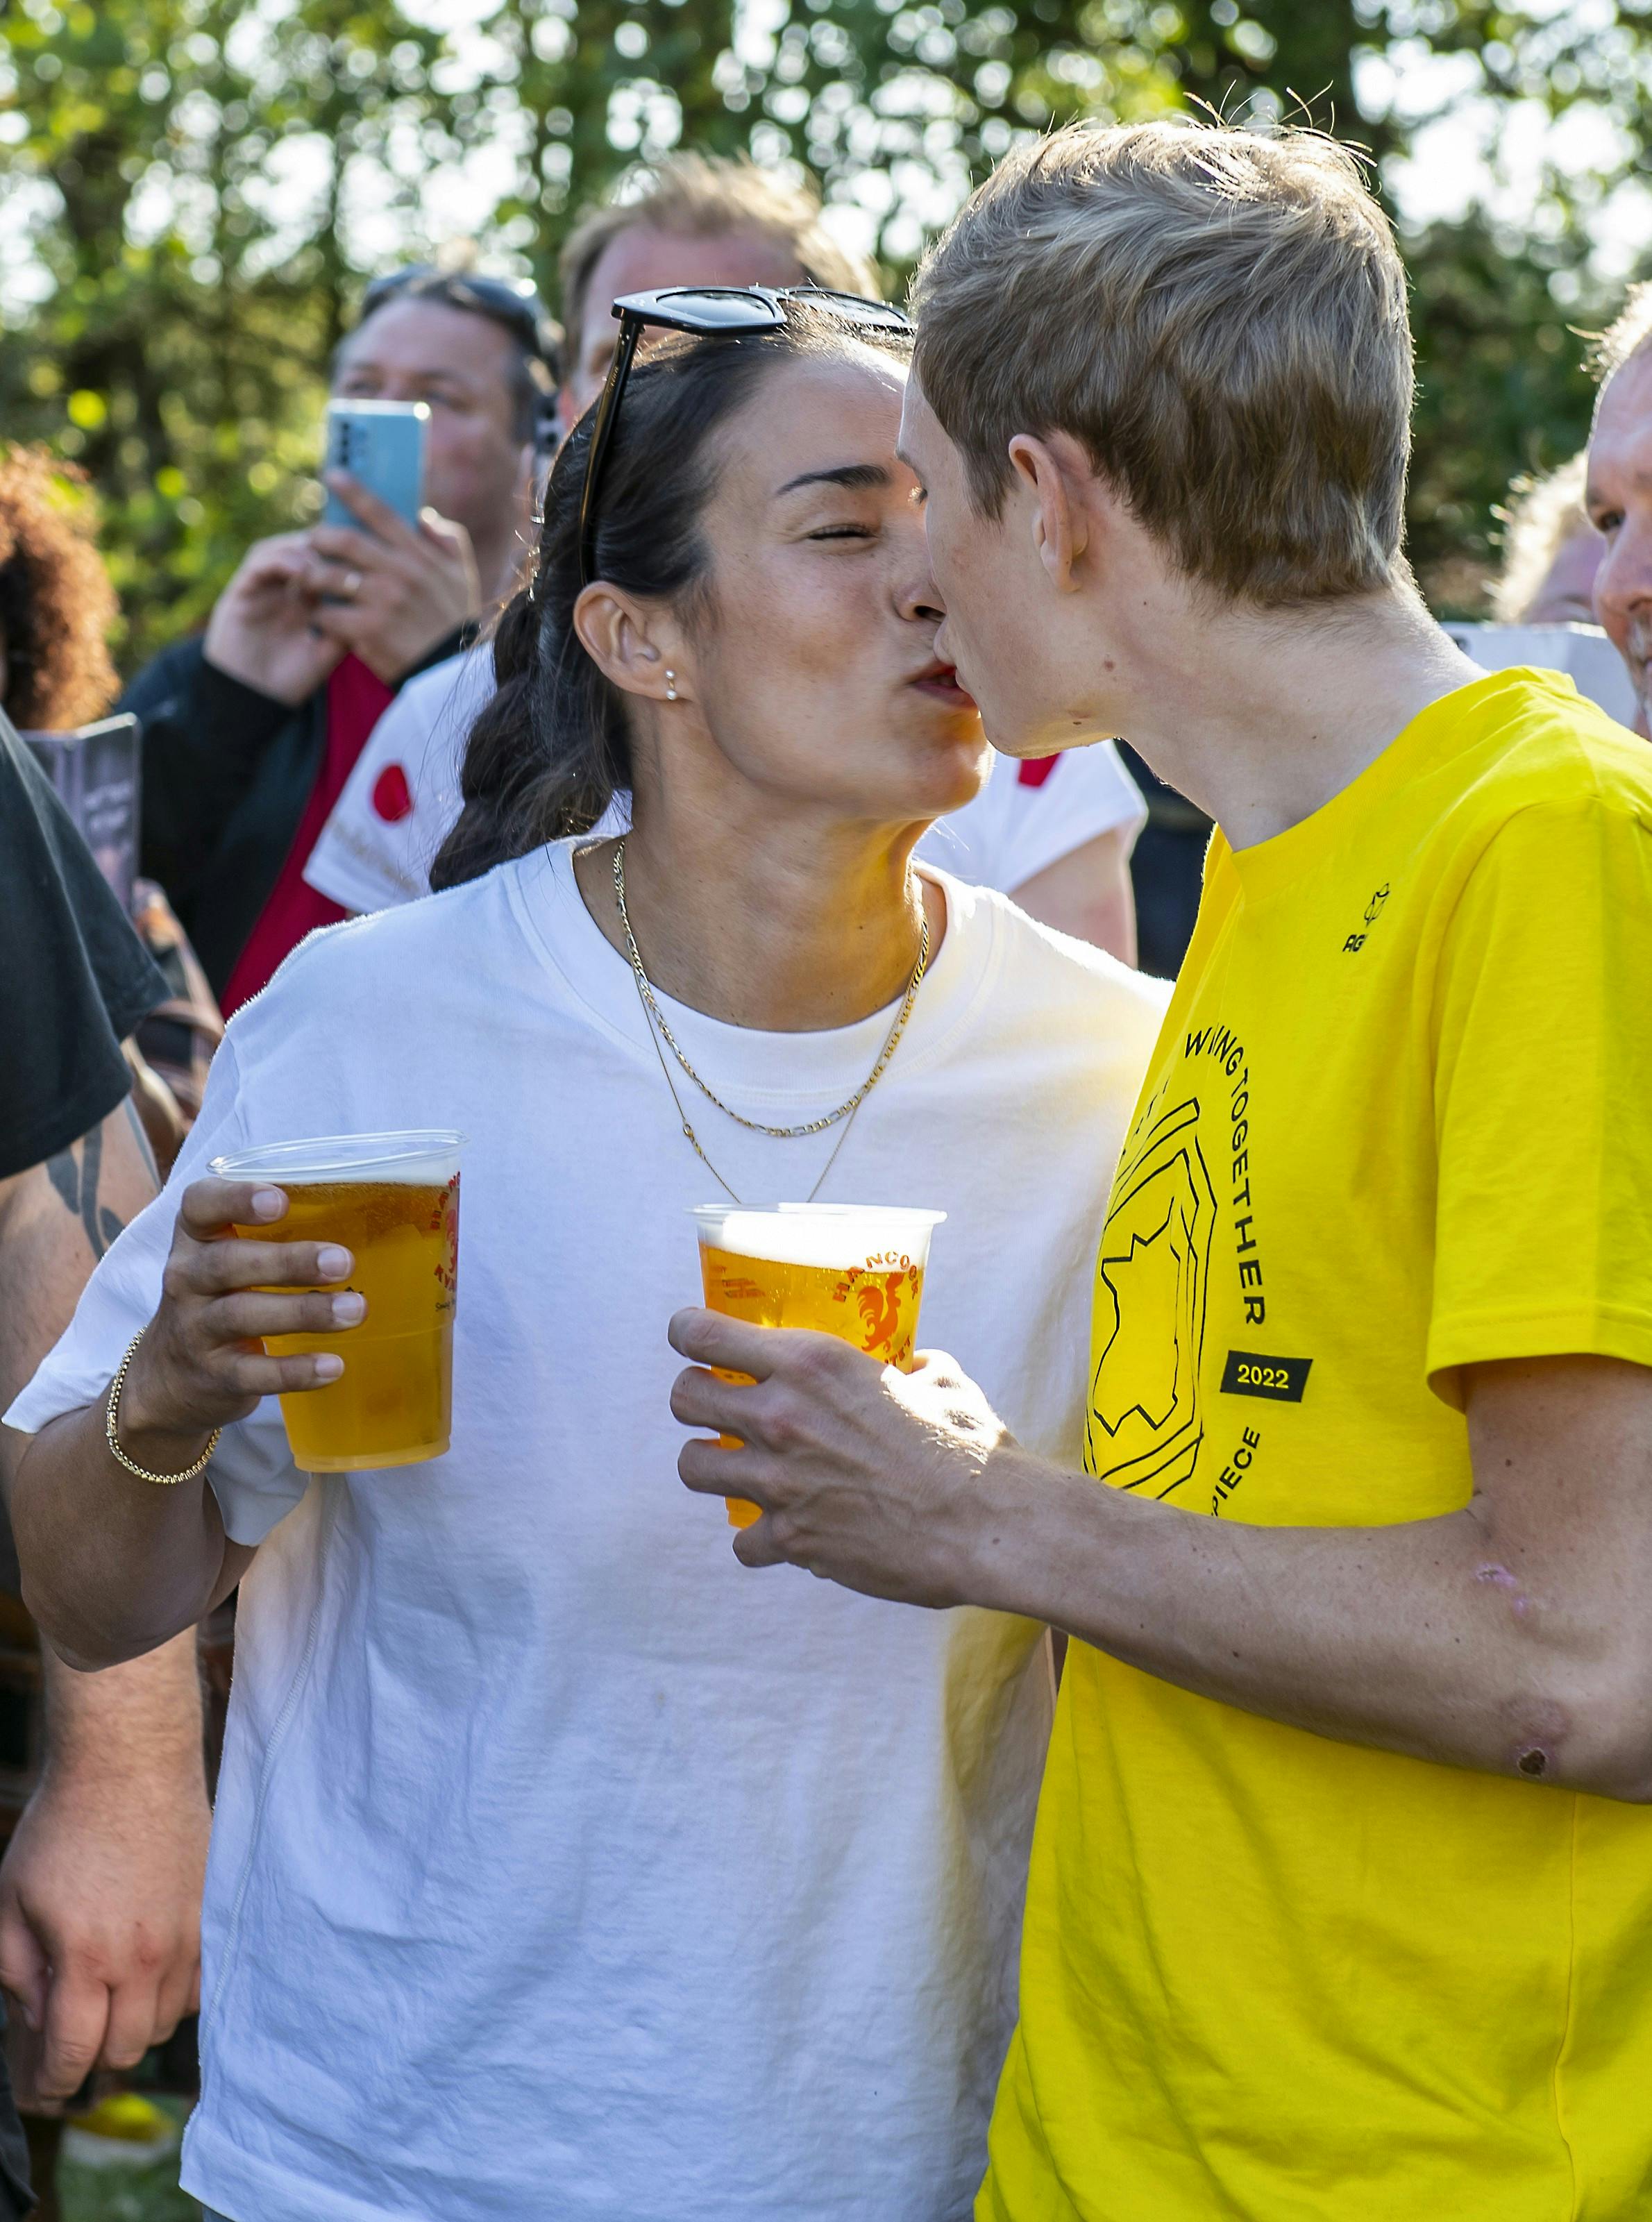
(706, 312)
(518, 308)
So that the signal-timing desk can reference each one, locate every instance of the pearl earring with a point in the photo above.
(670, 686)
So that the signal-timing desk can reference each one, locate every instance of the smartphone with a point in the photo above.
(382, 444)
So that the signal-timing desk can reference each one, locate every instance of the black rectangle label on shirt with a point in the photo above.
(1249, 1374)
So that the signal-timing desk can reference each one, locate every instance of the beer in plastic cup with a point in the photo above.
(393, 1201)
(852, 1269)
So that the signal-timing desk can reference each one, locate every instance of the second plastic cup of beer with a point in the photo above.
(852, 1269)
(393, 1201)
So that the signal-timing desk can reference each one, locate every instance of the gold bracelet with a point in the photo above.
(112, 1416)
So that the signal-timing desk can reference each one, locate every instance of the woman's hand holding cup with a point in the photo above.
(201, 1363)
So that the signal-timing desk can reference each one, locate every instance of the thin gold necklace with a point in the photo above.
(658, 1027)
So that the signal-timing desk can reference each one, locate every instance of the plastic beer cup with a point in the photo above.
(852, 1269)
(393, 1201)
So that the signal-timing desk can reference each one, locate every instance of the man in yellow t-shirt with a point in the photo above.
(1340, 1903)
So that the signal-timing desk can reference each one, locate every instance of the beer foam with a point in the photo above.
(836, 1235)
(421, 1157)
(432, 1171)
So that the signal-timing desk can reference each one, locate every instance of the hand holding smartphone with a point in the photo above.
(381, 445)
(390, 580)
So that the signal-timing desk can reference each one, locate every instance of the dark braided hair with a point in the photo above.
(548, 752)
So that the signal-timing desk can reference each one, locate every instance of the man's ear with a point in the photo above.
(1050, 472)
(631, 645)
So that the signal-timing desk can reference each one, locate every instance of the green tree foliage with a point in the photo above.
(188, 306)
(1503, 387)
(193, 190)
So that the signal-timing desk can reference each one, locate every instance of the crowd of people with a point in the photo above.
(1208, 1774)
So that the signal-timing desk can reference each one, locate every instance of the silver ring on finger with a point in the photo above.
(350, 584)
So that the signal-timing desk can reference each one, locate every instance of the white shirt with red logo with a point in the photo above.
(399, 803)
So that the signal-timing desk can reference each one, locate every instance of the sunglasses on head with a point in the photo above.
(516, 307)
(704, 312)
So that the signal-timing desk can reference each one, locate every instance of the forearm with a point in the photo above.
(89, 1534)
(1510, 1636)
(1417, 1638)
(100, 1890)
(140, 1721)
(115, 1563)
(114, 1567)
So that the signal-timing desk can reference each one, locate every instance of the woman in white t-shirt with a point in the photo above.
(558, 1868)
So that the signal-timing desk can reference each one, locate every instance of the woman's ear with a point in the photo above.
(638, 649)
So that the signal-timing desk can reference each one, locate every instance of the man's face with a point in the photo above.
(1618, 498)
(1567, 593)
(464, 366)
(644, 261)
(1005, 628)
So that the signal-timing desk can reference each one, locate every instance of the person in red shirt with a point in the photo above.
(251, 731)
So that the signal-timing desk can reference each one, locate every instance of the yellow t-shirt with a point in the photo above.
(1400, 1120)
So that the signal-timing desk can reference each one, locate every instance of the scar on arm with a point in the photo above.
(1532, 1759)
(1500, 1578)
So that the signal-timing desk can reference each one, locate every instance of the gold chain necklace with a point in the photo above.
(658, 1027)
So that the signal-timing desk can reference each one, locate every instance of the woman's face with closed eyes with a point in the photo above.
(810, 662)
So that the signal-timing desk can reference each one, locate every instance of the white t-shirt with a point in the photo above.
(562, 1866)
(401, 797)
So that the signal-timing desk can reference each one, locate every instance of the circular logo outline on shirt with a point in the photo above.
(1154, 1268)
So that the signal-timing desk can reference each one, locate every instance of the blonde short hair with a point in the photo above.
(1542, 515)
(705, 196)
(1628, 333)
(1218, 316)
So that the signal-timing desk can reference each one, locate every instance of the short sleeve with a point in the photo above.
(252, 1472)
(402, 796)
(1543, 1095)
(1086, 793)
(75, 979)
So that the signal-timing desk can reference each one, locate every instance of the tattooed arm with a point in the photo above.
(77, 1175)
(100, 1890)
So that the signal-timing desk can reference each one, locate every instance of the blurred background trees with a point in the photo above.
(194, 188)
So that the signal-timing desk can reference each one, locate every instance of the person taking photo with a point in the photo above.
(251, 730)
